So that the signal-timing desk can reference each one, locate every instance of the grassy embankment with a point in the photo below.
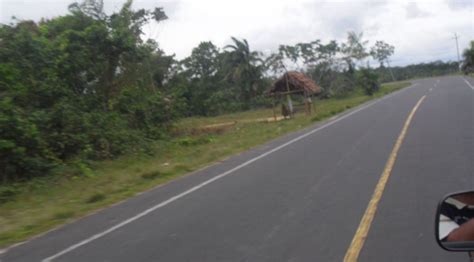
(45, 203)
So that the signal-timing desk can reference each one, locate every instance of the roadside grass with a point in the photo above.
(42, 204)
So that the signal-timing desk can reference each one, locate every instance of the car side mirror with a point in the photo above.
(454, 224)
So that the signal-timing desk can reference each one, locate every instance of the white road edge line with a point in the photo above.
(469, 84)
(207, 182)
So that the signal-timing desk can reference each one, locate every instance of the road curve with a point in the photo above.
(300, 197)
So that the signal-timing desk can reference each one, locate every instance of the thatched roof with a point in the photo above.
(296, 82)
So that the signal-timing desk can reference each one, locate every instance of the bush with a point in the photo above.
(7, 193)
(23, 149)
(368, 81)
(340, 86)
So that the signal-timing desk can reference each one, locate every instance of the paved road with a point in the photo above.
(300, 197)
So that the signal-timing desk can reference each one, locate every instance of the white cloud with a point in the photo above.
(421, 31)
(413, 11)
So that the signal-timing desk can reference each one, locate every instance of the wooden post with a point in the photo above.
(306, 104)
(273, 108)
(314, 107)
(389, 69)
(288, 97)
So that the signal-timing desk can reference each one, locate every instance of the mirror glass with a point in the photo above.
(456, 222)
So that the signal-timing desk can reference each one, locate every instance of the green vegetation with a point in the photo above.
(468, 59)
(436, 68)
(41, 203)
(368, 81)
(77, 88)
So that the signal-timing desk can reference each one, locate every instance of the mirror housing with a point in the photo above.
(454, 222)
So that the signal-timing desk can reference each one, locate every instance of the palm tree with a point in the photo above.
(244, 67)
(354, 49)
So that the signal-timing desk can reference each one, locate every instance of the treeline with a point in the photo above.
(436, 68)
(87, 86)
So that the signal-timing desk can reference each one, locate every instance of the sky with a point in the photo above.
(421, 31)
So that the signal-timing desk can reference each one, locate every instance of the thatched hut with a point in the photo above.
(293, 83)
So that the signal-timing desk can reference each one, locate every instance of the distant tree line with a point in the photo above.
(87, 86)
(436, 68)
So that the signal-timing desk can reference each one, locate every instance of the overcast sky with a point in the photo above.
(421, 31)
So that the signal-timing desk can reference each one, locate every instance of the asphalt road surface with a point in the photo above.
(300, 197)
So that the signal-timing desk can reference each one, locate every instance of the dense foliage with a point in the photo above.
(87, 86)
(77, 85)
(214, 81)
(368, 81)
(468, 59)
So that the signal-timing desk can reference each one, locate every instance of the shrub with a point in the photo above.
(368, 81)
(7, 193)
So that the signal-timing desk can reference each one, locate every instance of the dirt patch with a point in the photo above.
(219, 128)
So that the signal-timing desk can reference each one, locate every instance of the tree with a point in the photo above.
(354, 49)
(381, 51)
(203, 62)
(91, 8)
(326, 57)
(309, 52)
(468, 59)
(275, 63)
(244, 68)
(300, 55)
(122, 46)
(291, 54)
(200, 69)
(329, 71)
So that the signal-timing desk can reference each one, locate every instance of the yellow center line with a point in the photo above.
(361, 234)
